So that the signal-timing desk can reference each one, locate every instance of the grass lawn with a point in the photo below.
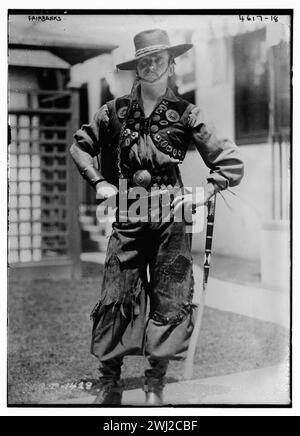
(49, 341)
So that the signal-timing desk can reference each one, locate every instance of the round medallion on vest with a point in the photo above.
(122, 112)
(154, 128)
(172, 115)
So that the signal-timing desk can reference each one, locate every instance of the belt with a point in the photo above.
(145, 179)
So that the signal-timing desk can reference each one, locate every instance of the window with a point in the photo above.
(251, 87)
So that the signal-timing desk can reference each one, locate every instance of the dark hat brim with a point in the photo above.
(175, 50)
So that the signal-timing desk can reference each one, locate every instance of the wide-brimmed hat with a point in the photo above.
(152, 41)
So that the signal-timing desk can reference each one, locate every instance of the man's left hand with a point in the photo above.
(186, 199)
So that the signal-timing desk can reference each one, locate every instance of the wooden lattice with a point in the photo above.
(39, 214)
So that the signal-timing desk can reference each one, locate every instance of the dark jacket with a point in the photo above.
(120, 125)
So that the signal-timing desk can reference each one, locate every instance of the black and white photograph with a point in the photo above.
(149, 208)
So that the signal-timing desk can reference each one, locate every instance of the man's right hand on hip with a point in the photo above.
(105, 190)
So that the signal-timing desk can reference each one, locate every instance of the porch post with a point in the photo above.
(74, 187)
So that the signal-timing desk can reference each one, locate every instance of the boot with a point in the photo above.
(154, 395)
(111, 389)
(154, 381)
(110, 394)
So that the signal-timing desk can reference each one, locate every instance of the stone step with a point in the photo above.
(86, 219)
(93, 228)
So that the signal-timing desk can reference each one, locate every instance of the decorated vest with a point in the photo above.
(166, 127)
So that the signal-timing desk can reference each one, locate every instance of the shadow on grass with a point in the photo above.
(137, 382)
(130, 383)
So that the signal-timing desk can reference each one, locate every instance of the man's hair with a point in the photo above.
(171, 59)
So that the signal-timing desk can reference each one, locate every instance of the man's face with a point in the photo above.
(151, 67)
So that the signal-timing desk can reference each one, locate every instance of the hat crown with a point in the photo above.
(151, 38)
(152, 41)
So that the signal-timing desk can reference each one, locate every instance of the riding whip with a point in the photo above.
(189, 364)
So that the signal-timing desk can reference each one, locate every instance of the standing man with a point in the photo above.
(142, 138)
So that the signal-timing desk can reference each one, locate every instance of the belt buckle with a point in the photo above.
(142, 178)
